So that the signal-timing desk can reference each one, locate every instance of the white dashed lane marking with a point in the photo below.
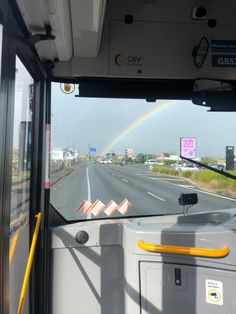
(158, 197)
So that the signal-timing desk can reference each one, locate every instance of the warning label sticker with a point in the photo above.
(214, 292)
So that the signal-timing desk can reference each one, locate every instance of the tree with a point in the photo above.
(166, 155)
(209, 160)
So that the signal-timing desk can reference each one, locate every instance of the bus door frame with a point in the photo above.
(15, 42)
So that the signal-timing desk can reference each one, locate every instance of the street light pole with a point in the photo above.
(89, 151)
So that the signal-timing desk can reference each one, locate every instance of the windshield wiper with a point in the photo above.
(222, 172)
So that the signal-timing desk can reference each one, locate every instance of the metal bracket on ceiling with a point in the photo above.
(49, 65)
(41, 37)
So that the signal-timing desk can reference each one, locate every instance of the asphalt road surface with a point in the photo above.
(150, 194)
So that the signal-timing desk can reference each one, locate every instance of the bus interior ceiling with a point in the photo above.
(174, 49)
(135, 39)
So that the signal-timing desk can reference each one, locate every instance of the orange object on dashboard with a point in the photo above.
(192, 251)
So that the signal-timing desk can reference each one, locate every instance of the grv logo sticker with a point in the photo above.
(121, 60)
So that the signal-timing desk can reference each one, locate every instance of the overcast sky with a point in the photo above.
(81, 122)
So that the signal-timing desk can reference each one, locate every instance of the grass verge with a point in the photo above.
(204, 178)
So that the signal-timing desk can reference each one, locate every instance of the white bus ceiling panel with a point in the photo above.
(87, 25)
(171, 10)
(162, 36)
(38, 14)
(166, 53)
(60, 20)
(94, 67)
(34, 13)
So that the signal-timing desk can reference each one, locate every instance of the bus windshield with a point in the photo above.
(121, 157)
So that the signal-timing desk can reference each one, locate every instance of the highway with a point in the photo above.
(149, 193)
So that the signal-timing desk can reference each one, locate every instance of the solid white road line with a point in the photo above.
(166, 180)
(170, 179)
(158, 197)
(125, 180)
(212, 194)
(186, 186)
(89, 216)
(196, 190)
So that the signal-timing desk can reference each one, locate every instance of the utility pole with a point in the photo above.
(89, 151)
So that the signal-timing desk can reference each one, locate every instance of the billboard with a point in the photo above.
(129, 153)
(188, 147)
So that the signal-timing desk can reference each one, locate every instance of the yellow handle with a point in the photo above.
(29, 264)
(13, 245)
(193, 251)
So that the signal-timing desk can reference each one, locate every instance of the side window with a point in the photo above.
(21, 172)
(1, 34)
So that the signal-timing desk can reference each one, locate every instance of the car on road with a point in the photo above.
(187, 167)
(218, 167)
(106, 161)
(150, 162)
(122, 163)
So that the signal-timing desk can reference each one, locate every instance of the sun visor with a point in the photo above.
(218, 95)
(139, 89)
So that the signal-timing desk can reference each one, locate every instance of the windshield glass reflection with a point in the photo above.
(120, 157)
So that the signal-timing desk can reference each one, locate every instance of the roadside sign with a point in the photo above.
(92, 149)
(188, 147)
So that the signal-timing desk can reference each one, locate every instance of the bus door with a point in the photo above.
(21, 82)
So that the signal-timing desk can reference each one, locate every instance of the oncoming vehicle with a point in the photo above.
(105, 161)
(87, 87)
(150, 162)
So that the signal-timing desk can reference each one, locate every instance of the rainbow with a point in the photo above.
(136, 123)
